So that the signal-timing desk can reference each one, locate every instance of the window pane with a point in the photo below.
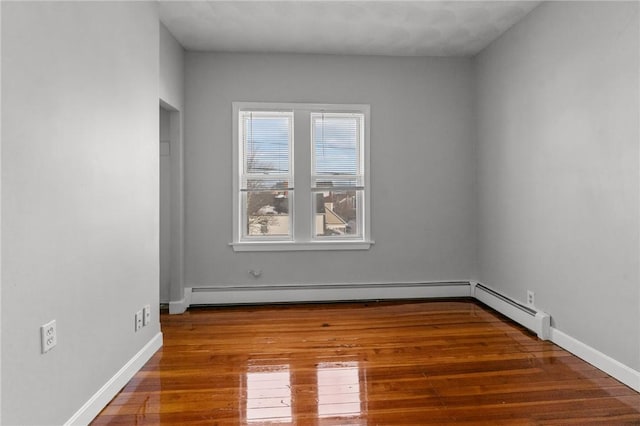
(336, 213)
(267, 213)
(336, 144)
(266, 142)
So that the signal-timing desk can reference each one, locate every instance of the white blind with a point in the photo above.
(337, 150)
(266, 149)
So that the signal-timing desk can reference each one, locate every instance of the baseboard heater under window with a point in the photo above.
(537, 321)
(288, 293)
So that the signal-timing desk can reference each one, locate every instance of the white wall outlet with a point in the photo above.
(146, 315)
(531, 298)
(138, 319)
(48, 336)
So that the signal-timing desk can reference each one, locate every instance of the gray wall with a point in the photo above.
(557, 105)
(171, 84)
(79, 198)
(422, 165)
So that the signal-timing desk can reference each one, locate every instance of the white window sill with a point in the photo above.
(296, 246)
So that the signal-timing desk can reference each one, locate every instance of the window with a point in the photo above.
(337, 180)
(266, 174)
(300, 177)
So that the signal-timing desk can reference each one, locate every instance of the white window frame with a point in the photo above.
(301, 208)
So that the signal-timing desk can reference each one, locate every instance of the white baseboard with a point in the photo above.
(100, 399)
(179, 306)
(326, 293)
(616, 369)
(540, 323)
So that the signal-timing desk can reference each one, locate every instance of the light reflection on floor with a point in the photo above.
(270, 393)
(339, 390)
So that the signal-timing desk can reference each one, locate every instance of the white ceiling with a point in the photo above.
(397, 28)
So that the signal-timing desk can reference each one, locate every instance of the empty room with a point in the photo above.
(320, 212)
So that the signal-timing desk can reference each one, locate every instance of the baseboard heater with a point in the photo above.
(537, 321)
(326, 292)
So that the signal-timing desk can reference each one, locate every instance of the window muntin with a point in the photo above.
(331, 207)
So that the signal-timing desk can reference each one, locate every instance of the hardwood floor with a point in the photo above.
(388, 363)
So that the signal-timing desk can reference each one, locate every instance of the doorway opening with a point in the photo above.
(171, 204)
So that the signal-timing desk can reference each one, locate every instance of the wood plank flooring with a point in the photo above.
(388, 363)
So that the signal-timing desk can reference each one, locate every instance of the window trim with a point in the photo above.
(299, 242)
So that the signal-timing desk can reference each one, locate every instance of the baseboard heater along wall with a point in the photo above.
(536, 321)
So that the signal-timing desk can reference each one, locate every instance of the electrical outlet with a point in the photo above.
(48, 336)
(146, 315)
(138, 319)
(531, 298)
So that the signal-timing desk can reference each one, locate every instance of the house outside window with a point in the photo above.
(300, 177)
